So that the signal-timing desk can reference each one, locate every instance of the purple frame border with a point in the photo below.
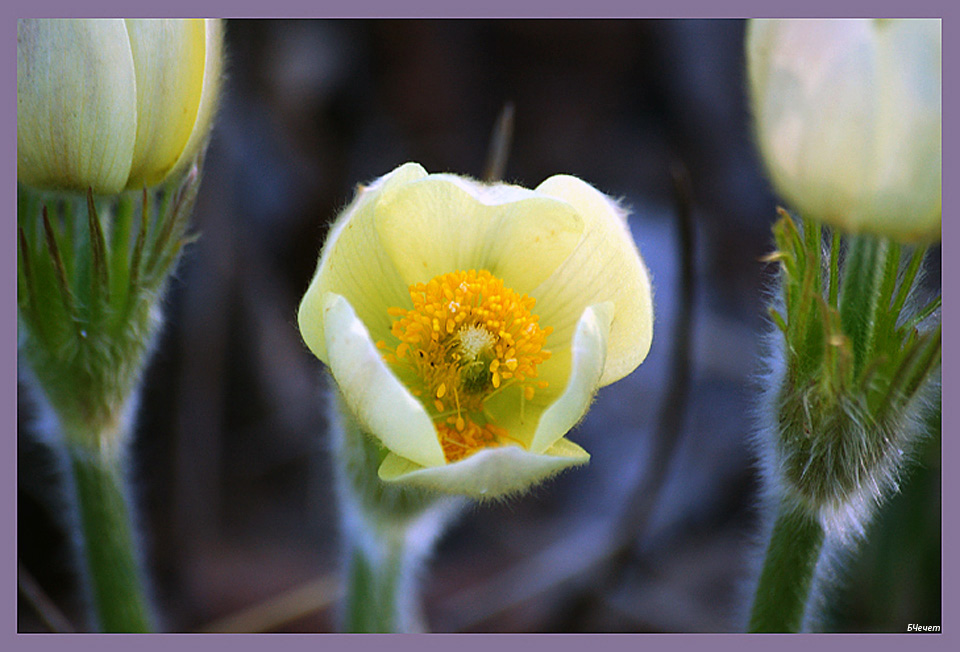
(444, 8)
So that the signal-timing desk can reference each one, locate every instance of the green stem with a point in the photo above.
(88, 311)
(780, 602)
(119, 601)
(373, 600)
(834, 283)
(859, 294)
(388, 532)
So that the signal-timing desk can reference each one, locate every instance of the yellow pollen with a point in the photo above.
(470, 336)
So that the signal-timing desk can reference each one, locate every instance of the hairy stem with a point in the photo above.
(109, 551)
(388, 532)
(373, 603)
(782, 595)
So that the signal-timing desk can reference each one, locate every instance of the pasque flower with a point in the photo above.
(110, 104)
(469, 325)
(848, 119)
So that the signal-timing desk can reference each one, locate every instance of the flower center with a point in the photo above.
(467, 338)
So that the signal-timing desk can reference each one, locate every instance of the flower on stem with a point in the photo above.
(113, 104)
(104, 106)
(468, 326)
(847, 116)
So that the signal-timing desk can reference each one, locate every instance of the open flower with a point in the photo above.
(111, 104)
(848, 119)
(468, 326)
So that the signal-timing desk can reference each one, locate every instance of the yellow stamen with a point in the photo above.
(467, 439)
(483, 338)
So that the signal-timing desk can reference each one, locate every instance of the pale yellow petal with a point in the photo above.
(907, 183)
(210, 95)
(759, 40)
(443, 223)
(573, 374)
(168, 57)
(820, 117)
(377, 399)
(490, 473)
(847, 116)
(354, 263)
(589, 351)
(604, 266)
(76, 104)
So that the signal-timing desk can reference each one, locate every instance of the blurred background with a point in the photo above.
(231, 460)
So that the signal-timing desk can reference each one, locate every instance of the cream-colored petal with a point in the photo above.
(906, 187)
(490, 473)
(168, 56)
(847, 116)
(378, 400)
(354, 264)
(209, 96)
(572, 373)
(605, 266)
(822, 117)
(76, 104)
(442, 224)
(759, 39)
(589, 350)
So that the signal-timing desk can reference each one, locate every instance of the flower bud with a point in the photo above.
(113, 104)
(848, 120)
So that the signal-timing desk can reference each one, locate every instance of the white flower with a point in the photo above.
(468, 326)
(848, 120)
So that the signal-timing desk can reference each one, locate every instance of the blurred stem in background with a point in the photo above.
(853, 376)
(500, 140)
(645, 495)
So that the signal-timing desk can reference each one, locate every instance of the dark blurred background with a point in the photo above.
(231, 462)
